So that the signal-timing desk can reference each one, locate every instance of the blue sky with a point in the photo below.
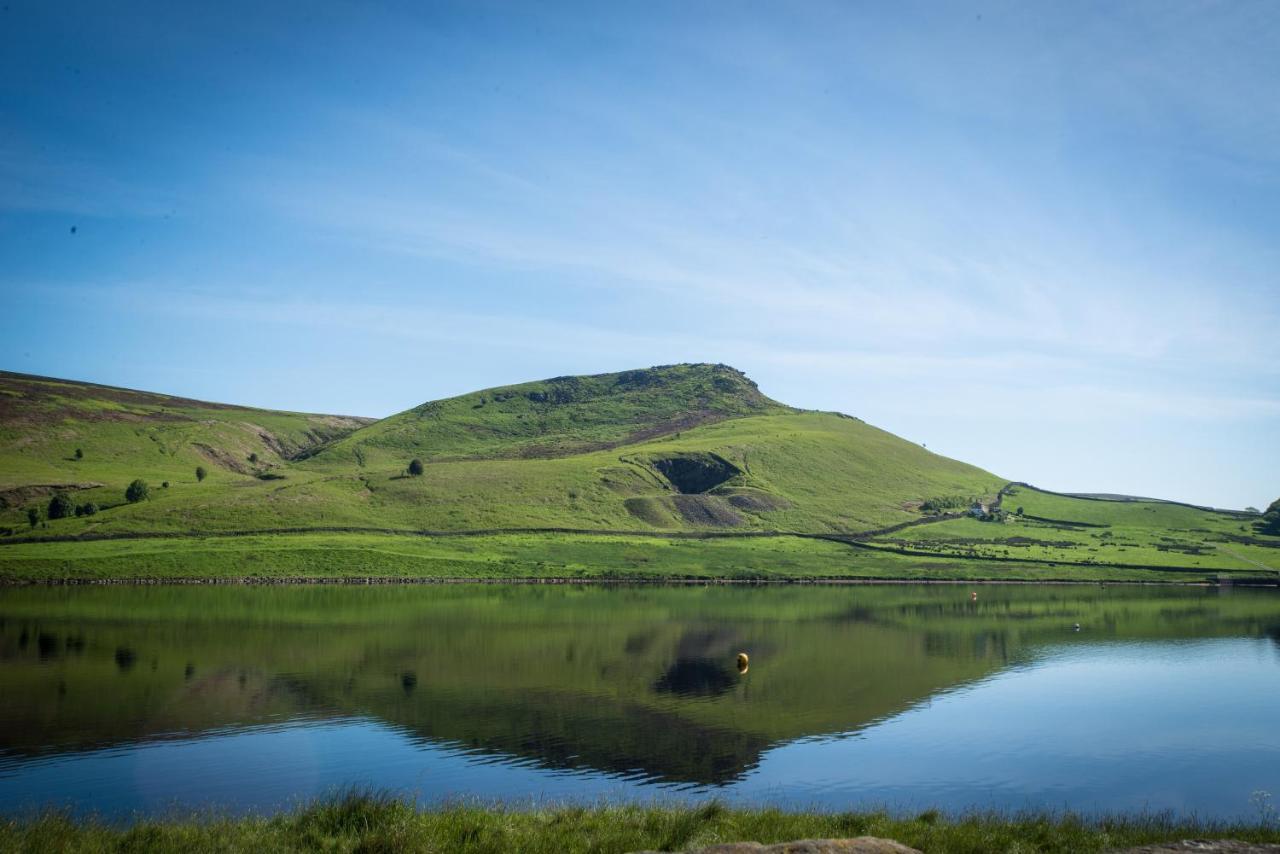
(1040, 237)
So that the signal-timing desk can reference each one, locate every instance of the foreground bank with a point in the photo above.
(369, 823)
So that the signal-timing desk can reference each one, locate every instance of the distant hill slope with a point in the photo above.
(1089, 530)
(123, 434)
(677, 450)
(667, 449)
(813, 472)
(565, 415)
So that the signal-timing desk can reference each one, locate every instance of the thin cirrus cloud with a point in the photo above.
(909, 293)
(951, 221)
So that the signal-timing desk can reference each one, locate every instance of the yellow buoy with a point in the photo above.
(742, 662)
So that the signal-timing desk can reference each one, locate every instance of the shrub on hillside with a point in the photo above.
(415, 467)
(87, 509)
(79, 454)
(201, 473)
(253, 458)
(137, 491)
(943, 503)
(61, 506)
(33, 516)
(1270, 523)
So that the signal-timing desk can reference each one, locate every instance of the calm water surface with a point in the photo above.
(142, 699)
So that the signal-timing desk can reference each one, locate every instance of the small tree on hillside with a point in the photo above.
(200, 473)
(79, 454)
(33, 516)
(253, 458)
(61, 507)
(415, 467)
(137, 491)
(1270, 523)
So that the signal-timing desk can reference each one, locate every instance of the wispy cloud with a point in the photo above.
(1062, 216)
(1005, 381)
(898, 292)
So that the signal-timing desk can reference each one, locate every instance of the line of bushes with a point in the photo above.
(944, 503)
(1270, 522)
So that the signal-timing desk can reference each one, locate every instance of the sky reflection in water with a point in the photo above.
(127, 700)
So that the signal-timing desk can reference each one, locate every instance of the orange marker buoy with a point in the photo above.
(742, 662)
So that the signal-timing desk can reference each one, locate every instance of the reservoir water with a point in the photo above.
(142, 699)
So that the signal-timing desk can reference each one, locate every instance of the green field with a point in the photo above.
(629, 458)
(533, 556)
(1093, 532)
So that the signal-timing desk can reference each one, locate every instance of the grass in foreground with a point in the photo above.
(367, 823)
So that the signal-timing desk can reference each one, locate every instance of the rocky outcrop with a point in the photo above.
(857, 845)
(692, 473)
(706, 511)
(1204, 846)
(876, 845)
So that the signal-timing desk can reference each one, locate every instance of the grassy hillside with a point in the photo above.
(688, 447)
(92, 440)
(664, 451)
(1044, 526)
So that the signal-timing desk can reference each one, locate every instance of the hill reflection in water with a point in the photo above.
(635, 682)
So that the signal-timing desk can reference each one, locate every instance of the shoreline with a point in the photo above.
(853, 541)
(563, 557)
(373, 580)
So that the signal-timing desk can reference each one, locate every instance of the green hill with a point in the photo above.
(1093, 531)
(676, 448)
(681, 450)
(565, 415)
(92, 440)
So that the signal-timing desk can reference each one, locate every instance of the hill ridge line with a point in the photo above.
(179, 399)
(1136, 499)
